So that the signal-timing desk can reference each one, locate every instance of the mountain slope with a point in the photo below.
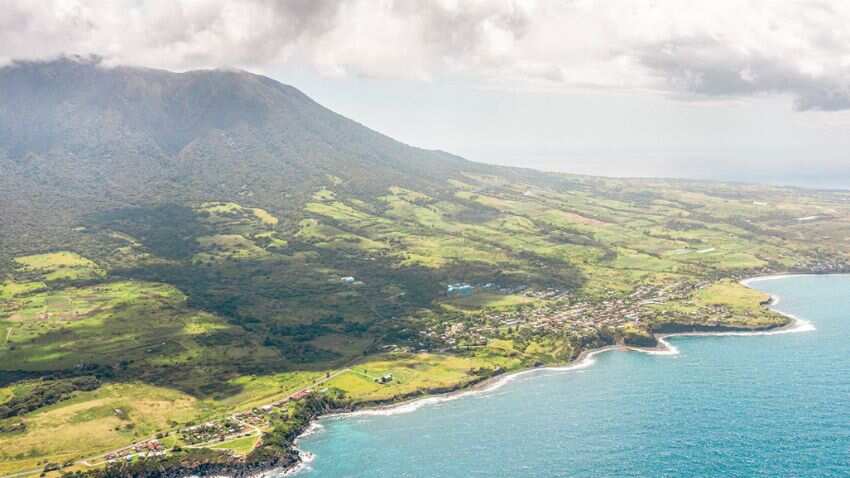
(75, 136)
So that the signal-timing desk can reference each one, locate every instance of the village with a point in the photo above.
(559, 312)
(238, 425)
(145, 449)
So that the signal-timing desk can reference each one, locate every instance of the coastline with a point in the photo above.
(794, 326)
(583, 360)
(292, 460)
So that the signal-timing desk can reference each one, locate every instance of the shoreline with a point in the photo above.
(584, 360)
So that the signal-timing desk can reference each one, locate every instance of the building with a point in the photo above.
(347, 280)
(460, 289)
(301, 394)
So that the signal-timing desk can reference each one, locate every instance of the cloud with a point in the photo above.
(707, 67)
(693, 50)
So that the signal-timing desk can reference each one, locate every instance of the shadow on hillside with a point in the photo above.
(290, 310)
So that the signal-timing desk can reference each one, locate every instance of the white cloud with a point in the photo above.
(721, 48)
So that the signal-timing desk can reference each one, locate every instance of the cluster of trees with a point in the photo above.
(299, 332)
(47, 393)
(289, 425)
(168, 230)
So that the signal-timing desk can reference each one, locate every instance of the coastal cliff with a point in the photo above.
(684, 328)
(199, 462)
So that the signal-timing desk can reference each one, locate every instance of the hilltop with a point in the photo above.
(179, 252)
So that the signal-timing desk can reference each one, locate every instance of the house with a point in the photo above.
(461, 289)
(347, 280)
(301, 394)
(385, 378)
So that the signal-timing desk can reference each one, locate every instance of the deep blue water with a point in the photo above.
(730, 406)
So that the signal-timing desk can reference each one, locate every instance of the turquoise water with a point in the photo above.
(731, 406)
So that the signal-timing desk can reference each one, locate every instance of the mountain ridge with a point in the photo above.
(128, 135)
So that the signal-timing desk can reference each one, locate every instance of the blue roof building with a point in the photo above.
(459, 290)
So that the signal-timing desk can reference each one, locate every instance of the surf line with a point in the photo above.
(584, 360)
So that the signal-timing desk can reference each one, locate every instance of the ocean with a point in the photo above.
(756, 405)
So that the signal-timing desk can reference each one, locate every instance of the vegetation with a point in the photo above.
(239, 446)
(41, 395)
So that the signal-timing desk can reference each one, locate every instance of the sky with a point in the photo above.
(744, 90)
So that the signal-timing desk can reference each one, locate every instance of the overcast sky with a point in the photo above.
(750, 90)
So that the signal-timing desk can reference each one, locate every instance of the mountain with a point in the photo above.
(247, 198)
(76, 137)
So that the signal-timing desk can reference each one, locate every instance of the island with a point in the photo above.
(184, 293)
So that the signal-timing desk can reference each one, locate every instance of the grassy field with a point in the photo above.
(412, 374)
(238, 446)
(731, 294)
(726, 303)
(53, 330)
(56, 266)
(485, 300)
(94, 422)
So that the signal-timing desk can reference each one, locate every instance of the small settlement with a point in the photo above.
(559, 312)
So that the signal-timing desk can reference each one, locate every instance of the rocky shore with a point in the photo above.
(195, 463)
(673, 328)
(276, 450)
